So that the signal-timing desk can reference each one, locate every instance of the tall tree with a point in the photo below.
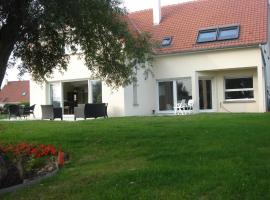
(40, 31)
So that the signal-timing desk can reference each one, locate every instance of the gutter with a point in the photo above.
(263, 54)
(264, 58)
(209, 50)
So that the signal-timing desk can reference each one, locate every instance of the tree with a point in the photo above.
(40, 31)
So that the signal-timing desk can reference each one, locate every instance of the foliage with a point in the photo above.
(3, 115)
(206, 156)
(27, 157)
(24, 103)
(2, 110)
(182, 92)
(43, 34)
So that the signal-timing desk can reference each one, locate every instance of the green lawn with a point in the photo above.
(217, 156)
(3, 116)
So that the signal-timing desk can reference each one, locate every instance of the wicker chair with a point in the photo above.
(79, 111)
(49, 112)
(91, 111)
(14, 110)
(27, 111)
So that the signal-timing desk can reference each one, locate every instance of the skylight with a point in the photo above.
(207, 35)
(167, 41)
(218, 34)
(228, 33)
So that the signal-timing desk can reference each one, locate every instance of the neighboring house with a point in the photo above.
(15, 92)
(215, 52)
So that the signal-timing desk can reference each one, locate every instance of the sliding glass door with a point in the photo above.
(165, 95)
(68, 94)
(96, 87)
(183, 89)
(55, 94)
(205, 94)
(172, 92)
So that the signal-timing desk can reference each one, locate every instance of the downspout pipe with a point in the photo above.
(264, 58)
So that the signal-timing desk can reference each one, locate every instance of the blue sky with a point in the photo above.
(131, 5)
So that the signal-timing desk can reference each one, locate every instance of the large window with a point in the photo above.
(205, 94)
(96, 91)
(165, 95)
(55, 94)
(173, 92)
(239, 88)
(184, 89)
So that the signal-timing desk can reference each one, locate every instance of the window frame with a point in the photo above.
(158, 95)
(170, 38)
(175, 100)
(238, 89)
(94, 84)
(207, 31)
(220, 29)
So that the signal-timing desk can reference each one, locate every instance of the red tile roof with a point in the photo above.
(183, 21)
(13, 92)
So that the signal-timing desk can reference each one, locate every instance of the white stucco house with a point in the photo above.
(215, 52)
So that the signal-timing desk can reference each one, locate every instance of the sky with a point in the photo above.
(135, 5)
(131, 5)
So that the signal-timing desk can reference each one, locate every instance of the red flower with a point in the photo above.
(29, 149)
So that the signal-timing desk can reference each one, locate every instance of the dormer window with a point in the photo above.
(167, 41)
(218, 34)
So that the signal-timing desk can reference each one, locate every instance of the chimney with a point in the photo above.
(4, 83)
(157, 12)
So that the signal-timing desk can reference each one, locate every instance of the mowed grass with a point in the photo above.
(217, 156)
(3, 116)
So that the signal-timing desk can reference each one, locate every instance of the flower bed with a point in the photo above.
(23, 161)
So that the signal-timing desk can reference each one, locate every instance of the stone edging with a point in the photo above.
(28, 183)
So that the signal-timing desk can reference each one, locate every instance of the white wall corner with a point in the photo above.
(195, 91)
(261, 89)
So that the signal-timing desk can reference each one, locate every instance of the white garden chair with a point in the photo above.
(190, 106)
(180, 108)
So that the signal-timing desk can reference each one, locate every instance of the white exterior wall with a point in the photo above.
(218, 87)
(145, 95)
(115, 100)
(217, 65)
(77, 71)
(38, 96)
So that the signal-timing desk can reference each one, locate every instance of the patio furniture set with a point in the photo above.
(91, 111)
(184, 108)
(20, 111)
(82, 111)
